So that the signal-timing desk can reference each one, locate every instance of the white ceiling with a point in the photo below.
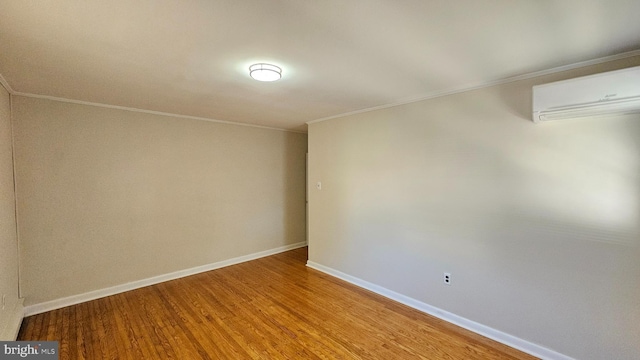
(191, 57)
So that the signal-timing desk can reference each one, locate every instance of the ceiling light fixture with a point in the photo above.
(265, 72)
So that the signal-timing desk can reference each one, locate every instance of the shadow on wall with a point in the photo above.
(294, 177)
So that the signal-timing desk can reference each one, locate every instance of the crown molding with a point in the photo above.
(6, 85)
(161, 113)
(485, 84)
(428, 96)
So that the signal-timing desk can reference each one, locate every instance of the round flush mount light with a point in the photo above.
(265, 72)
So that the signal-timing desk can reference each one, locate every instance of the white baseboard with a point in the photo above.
(96, 294)
(499, 336)
(13, 321)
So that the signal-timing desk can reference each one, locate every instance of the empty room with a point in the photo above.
(278, 179)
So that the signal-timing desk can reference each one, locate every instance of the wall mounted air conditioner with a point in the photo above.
(610, 93)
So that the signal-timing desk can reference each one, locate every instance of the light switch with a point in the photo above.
(319, 185)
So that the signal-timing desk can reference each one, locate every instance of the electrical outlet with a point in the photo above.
(447, 279)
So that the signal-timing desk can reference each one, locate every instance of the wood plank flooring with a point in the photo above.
(270, 308)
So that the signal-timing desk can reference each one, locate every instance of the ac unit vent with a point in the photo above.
(610, 93)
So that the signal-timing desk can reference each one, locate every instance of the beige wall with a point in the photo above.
(539, 224)
(109, 196)
(8, 243)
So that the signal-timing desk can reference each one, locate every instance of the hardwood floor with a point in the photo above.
(270, 308)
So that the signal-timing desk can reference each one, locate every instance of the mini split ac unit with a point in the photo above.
(610, 93)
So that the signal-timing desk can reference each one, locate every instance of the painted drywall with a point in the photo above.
(110, 196)
(538, 224)
(8, 242)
